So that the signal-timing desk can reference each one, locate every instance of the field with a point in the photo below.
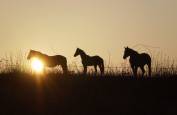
(116, 92)
(22, 93)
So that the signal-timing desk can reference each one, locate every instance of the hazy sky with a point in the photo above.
(100, 27)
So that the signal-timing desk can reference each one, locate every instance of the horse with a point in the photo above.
(50, 61)
(138, 60)
(90, 61)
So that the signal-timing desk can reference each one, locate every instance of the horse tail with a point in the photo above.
(149, 67)
(102, 67)
(64, 66)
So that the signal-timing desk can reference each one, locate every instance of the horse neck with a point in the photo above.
(42, 56)
(134, 54)
(83, 55)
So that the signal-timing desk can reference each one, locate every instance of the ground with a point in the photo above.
(81, 95)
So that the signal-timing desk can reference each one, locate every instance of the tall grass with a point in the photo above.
(161, 66)
(14, 63)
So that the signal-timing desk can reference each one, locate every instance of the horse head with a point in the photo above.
(78, 50)
(31, 54)
(129, 52)
(126, 52)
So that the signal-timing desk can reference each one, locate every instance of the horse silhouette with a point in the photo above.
(90, 61)
(50, 61)
(138, 60)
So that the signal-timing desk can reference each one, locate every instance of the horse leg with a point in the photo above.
(85, 69)
(65, 68)
(95, 66)
(134, 69)
(102, 68)
(149, 67)
(143, 71)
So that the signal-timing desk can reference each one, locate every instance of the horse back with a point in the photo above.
(97, 59)
(60, 58)
(56, 60)
(144, 57)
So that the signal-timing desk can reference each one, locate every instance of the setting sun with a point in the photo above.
(37, 65)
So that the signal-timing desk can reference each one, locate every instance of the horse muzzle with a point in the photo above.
(124, 57)
(75, 55)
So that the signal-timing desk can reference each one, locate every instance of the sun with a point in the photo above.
(37, 65)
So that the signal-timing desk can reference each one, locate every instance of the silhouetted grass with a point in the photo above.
(115, 92)
(162, 66)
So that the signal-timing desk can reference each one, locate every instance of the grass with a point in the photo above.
(115, 92)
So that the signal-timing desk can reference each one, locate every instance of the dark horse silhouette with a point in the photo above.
(90, 61)
(50, 61)
(138, 60)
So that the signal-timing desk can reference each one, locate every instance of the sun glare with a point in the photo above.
(37, 65)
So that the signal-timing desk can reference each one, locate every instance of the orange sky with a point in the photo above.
(100, 27)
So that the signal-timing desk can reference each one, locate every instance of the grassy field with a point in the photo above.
(116, 92)
(22, 93)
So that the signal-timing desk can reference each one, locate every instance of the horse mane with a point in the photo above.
(39, 53)
(82, 51)
(135, 52)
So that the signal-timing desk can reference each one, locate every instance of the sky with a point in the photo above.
(100, 27)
